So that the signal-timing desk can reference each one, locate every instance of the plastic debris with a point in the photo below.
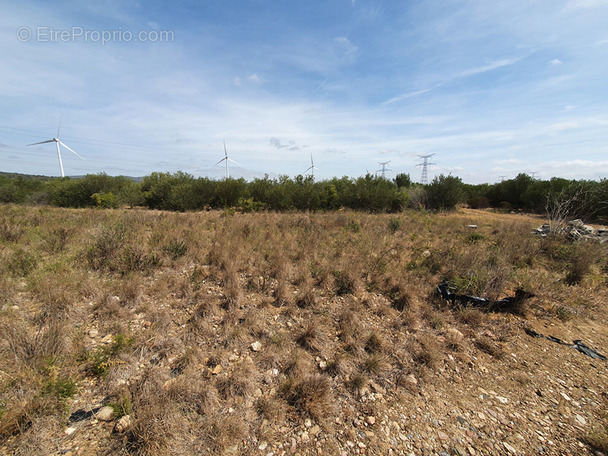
(577, 344)
(508, 304)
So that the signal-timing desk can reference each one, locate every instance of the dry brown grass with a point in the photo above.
(354, 306)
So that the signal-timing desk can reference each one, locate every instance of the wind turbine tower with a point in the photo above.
(312, 167)
(226, 159)
(424, 179)
(384, 169)
(57, 142)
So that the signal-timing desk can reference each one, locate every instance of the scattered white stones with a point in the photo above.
(256, 346)
(70, 430)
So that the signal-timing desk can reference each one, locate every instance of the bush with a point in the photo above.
(444, 193)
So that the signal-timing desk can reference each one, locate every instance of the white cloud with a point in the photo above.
(561, 126)
(585, 4)
(491, 66)
(255, 78)
(556, 62)
(405, 96)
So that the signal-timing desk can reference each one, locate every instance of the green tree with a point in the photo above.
(444, 192)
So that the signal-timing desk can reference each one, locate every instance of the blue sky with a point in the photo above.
(491, 88)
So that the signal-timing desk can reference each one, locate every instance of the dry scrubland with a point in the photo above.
(222, 333)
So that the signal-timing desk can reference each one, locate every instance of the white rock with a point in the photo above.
(123, 424)
(93, 333)
(105, 414)
(69, 431)
(411, 379)
(256, 346)
(509, 448)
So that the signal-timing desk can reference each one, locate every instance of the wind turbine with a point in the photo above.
(226, 159)
(57, 142)
(312, 167)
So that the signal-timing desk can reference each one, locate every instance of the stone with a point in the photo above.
(105, 414)
(256, 346)
(455, 333)
(315, 429)
(371, 420)
(123, 424)
(107, 339)
(509, 448)
(217, 369)
(93, 333)
(580, 420)
(442, 435)
(70, 430)
(263, 446)
(460, 450)
(502, 400)
(411, 379)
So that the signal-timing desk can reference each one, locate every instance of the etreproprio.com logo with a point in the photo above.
(45, 34)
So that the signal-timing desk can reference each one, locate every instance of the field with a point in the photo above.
(149, 332)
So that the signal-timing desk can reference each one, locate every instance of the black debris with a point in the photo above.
(581, 347)
(508, 304)
(577, 344)
(82, 414)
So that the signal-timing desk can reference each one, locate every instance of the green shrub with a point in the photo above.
(22, 262)
(175, 249)
(63, 388)
(444, 193)
(394, 224)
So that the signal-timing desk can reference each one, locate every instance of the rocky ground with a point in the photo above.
(484, 387)
(532, 397)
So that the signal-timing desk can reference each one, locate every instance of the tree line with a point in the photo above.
(183, 192)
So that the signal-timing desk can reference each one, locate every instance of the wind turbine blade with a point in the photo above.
(42, 142)
(70, 149)
(310, 167)
(233, 161)
(225, 151)
(219, 162)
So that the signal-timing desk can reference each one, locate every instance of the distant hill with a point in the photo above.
(24, 176)
(38, 177)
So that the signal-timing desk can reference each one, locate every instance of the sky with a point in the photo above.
(492, 89)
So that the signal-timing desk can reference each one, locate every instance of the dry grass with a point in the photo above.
(226, 323)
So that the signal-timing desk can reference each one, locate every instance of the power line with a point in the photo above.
(425, 164)
(384, 168)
